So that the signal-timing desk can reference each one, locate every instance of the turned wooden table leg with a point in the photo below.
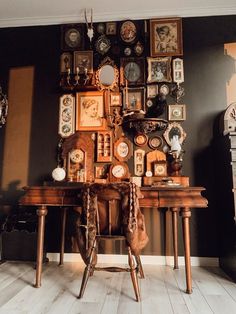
(41, 212)
(186, 214)
(63, 229)
(174, 212)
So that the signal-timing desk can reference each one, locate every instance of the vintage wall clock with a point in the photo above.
(118, 172)
(128, 32)
(76, 165)
(123, 149)
(160, 168)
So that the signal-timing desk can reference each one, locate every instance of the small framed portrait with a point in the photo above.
(66, 115)
(160, 169)
(177, 112)
(111, 28)
(90, 113)
(140, 139)
(139, 155)
(164, 89)
(159, 70)
(132, 70)
(174, 130)
(128, 32)
(103, 44)
(134, 99)
(72, 36)
(65, 62)
(83, 60)
(166, 37)
(152, 91)
(155, 142)
(100, 172)
(178, 71)
(115, 99)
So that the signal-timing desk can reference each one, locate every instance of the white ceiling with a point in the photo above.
(46, 12)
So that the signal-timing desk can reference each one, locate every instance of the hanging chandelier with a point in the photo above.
(3, 108)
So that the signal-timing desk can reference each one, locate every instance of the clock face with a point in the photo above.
(118, 171)
(123, 149)
(77, 155)
(132, 72)
(160, 170)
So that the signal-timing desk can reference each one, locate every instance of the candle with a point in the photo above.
(77, 70)
(126, 93)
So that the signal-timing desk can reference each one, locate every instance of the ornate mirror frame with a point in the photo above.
(175, 129)
(114, 85)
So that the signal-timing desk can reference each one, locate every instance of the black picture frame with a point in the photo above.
(72, 37)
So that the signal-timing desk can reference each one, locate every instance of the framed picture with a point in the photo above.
(140, 139)
(152, 91)
(104, 146)
(155, 142)
(139, 155)
(174, 129)
(72, 36)
(115, 99)
(128, 32)
(178, 71)
(66, 62)
(160, 169)
(90, 113)
(132, 70)
(166, 37)
(100, 172)
(66, 115)
(103, 44)
(134, 99)
(123, 149)
(82, 60)
(159, 70)
(111, 28)
(177, 112)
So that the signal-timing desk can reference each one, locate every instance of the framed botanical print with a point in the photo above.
(72, 36)
(166, 37)
(177, 112)
(90, 111)
(66, 115)
(159, 70)
(65, 62)
(134, 99)
(128, 32)
(83, 60)
(132, 70)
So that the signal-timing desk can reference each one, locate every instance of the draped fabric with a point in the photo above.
(93, 219)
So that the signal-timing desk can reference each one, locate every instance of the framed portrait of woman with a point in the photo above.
(166, 37)
(90, 111)
(159, 70)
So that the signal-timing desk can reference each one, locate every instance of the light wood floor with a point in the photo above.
(162, 291)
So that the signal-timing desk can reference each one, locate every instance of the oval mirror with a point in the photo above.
(107, 75)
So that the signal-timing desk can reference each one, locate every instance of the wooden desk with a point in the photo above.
(178, 199)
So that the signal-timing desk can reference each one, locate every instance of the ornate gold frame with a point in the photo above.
(114, 85)
(171, 128)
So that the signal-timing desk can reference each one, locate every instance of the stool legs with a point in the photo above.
(133, 275)
(139, 266)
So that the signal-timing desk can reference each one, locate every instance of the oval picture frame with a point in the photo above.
(174, 128)
(128, 31)
(155, 142)
(140, 139)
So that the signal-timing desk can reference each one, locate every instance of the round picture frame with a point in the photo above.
(128, 32)
(102, 44)
(140, 139)
(164, 89)
(155, 142)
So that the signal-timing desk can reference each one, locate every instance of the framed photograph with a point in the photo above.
(66, 115)
(159, 70)
(139, 155)
(115, 99)
(140, 139)
(132, 70)
(155, 142)
(103, 44)
(178, 71)
(82, 60)
(123, 149)
(128, 32)
(177, 112)
(66, 62)
(174, 129)
(134, 99)
(166, 37)
(152, 91)
(100, 172)
(111, 28)
(90, 113)
(72, 36)
(160, 169)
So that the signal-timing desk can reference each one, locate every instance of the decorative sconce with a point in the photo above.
(3, 108)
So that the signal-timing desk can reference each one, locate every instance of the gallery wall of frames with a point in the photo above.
(121, 103)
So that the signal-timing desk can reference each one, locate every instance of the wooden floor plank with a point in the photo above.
(162, 291)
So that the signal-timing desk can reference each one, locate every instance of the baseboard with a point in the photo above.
(146, 259)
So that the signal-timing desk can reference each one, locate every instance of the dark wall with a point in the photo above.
(207, 70)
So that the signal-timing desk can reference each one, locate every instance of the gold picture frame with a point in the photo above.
(91, 111)
(82, 60)
(166, 37)
(177, 112)
(159, 70)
